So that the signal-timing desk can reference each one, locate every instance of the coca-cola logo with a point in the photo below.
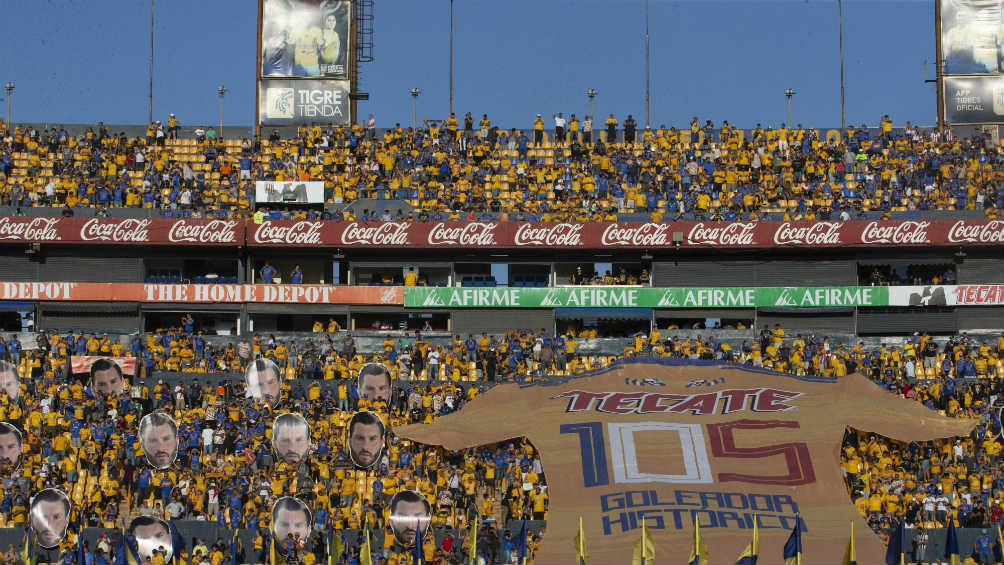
(299, 233)
(730, 235)
(214, 231)
(384, 233)
(642, 235)
(554, 235)
(121, 231)
(987, 232)
(35, 229)
(908, 232)
(473, 234)
(819, 233)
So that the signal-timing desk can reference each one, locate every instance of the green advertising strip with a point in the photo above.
(647, 297)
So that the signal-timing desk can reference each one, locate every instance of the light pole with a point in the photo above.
(647, 91)
(840, 14)
(414, 111)
(221, 91)
(789, 93)
(10, 94)
(591, 93)
(451, 56)
(149, 108)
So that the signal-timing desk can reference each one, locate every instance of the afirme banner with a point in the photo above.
(646, 297)
(667, 443)
(501, 235)
(974, 100)
(292, 102)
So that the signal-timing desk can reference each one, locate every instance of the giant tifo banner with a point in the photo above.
(82, 363)
(216, 293)
(650, 297)
(504, 235)
(669, 443)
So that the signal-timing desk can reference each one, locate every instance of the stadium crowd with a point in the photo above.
(448, 170)
(86, 443)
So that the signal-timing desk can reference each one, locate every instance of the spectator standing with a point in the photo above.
(630, 126)
(559, 128)
(296, 275)
(611, 124)
(587, 131)
(267, 273)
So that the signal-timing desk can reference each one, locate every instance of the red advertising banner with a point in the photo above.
(82, 363)
(216, 293)
(124, 231)
(625, 235)
(502, 235)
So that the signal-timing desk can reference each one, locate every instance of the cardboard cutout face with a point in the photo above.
(410, 512)
(263, 380)
(158, 434)
(366, 439)
(290, 516)
(152, 535)
(291, 438)
(50, 515)
(106, 378)
(11, 448)
(374, 383)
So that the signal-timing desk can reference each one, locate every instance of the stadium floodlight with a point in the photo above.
(591, 93)
(789, 93)
(10, 94)
(414, 115)
(221, 91)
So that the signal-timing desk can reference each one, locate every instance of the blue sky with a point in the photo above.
(82, 61)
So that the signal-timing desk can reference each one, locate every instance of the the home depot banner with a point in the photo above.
(665, 443)
(222, 293)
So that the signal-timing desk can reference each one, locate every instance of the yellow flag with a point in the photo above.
(580, 545)
(851, 554)
(644, 548)
(750, 555)
(272, 554)
(471, 541)
(365, 555)
(698, 549)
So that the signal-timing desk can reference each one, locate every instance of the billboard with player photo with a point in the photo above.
(972, 36)
(295, 192)
(305, 38)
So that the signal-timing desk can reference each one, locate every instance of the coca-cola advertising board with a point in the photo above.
(121, 231)
(626, 235)
(501, 235)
